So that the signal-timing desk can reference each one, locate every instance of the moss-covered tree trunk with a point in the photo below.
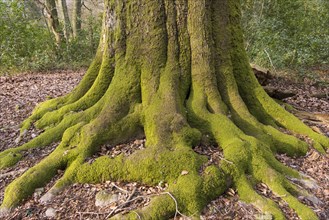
(176, 72)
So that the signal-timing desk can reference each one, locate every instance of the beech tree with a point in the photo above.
(177, 73)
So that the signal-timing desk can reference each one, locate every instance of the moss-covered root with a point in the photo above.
(247, 156)
(76, 94)
(11, 156)
(289, 121)
(263, 107)
(238, 154)
(248, 194)
(93, 95)
(35, 177)
(265, 104)
(187, 196)
(191, 190)
(41, 173)
(161, 207)
(78, 142)
(263, 168)
(65, 180)
(278, 184)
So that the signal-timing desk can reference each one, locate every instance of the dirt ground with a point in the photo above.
(19, 95)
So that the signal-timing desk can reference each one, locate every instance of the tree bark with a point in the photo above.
(52, 20)
(76, 18)
(67, 29)
(177, 73)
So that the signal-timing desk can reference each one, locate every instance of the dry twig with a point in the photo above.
(176, 205)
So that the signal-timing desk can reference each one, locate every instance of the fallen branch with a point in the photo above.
(263, 75)
(278, 93)
(321, 95)
(131, 195)
(313, 117)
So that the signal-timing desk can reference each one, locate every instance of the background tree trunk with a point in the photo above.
(76, 18)
(67, 29)
(52, 20)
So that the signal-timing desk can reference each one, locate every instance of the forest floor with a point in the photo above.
(19, 95)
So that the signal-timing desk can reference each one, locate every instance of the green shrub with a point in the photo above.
(26, 44)
(287, 33)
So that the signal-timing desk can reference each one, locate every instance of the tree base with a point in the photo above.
(177, 84)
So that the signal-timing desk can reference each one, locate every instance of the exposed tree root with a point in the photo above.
(247, 156)
(75, 95)
(176, 84)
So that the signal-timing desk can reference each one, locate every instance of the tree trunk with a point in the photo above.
(76, 18)
(52, 20)
(67, 29)
(176, 72)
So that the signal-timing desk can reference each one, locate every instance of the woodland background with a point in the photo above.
(279, 35)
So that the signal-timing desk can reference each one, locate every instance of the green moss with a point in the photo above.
(286, 106)
(9, 158)
(248, 194)
(152, 166)
(190, 136)
(40, 174)
(51, 135)
(102, 169)
(215, 182)
(78, 92)
(155, 165)
(258, 102)
(143, 166)
(160, 207)
(277, 182)
(94, 94)
(240, 151)
(188, 195)
(278, 166)
(35, 177)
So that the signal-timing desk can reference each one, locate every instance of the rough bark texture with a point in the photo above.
(176, 72)
(52, 20)
(66, 19)
(76, 18)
